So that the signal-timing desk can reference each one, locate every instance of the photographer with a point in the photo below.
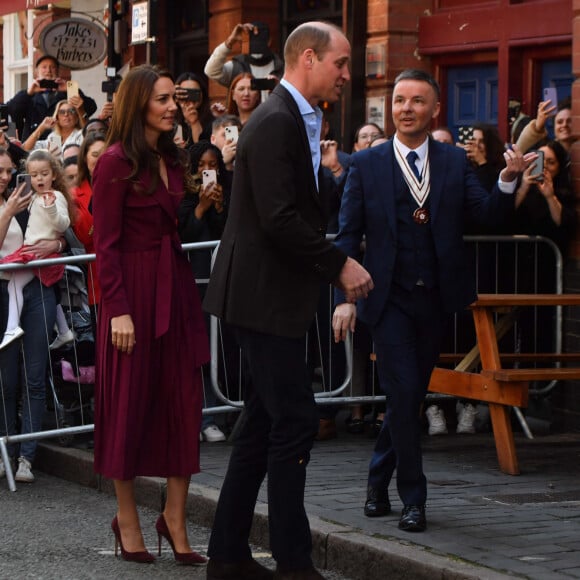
(193, 116)
(30, 107)
(261, 62)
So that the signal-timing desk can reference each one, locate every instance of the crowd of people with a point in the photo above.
(160, 166)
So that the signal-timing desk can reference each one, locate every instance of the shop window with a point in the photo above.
(17, 53)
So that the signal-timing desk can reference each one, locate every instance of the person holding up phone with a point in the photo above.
(242, 100)
(64, 126)
(50, 210)
(194, 115)
(261, 62)
(29, 107)
(535, 132)
(544, 200)
(23, 377)
(225, 132)
(201, 218)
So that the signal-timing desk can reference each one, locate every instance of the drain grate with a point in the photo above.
(449, 482)
(547, 497)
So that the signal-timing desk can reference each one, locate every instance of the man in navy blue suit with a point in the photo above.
(410, 197)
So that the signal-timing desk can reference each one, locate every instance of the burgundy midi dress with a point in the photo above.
(147, 404)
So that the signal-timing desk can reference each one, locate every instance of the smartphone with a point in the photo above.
(183, 94)
(538, 168)
(551, 94)
(48, 84)
(72, 89)
(55, 143)
(231, 133)
(262, 84)
(24, 178)
(208, 176)
(178, 136)
(465, 134)
(259, 38)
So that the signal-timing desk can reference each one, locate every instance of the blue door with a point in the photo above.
(557, 74)
(472, 96)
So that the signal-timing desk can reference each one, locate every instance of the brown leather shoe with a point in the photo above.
(246, 570)
(308, 574)
(326, 430)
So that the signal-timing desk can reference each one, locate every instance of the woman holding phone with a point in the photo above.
(194, 115)
(66, 127)
(151, 336)
(38, 313)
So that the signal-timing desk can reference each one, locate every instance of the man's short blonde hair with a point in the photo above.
(314, 35)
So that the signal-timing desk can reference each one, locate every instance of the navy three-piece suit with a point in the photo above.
(422, 274)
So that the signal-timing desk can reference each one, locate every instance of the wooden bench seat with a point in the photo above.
(534, 374)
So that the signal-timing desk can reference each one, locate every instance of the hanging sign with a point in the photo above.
(75, 42)
(140, 23)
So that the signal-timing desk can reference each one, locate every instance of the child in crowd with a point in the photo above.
(49, 217)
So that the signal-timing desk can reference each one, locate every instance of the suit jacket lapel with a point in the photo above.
(438, 164)
(289, 101)
(387, 183)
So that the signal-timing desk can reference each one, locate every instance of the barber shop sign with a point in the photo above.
(75, 42)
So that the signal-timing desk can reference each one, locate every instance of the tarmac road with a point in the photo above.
(55, 529)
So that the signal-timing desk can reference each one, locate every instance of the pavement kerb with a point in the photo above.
(335, 546)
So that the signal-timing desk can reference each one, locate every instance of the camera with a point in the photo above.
(262, 84)
(192, 95)
(48, 84)
(110, 87)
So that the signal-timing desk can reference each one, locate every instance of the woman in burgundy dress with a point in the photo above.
(151, 338)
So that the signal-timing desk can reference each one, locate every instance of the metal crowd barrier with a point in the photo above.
(332, 383)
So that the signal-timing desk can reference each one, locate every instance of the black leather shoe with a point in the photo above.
(413, 518)
(377, 503)
(308, 574)
(246, 570)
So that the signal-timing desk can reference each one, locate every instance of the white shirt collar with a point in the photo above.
(421, 151)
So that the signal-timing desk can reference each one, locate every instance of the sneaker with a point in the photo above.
(62, 339)
(466, 418)
(212, 434)
(24, 473)
(10, 336)
(436, 418)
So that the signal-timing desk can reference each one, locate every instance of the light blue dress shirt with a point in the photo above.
(312, 118)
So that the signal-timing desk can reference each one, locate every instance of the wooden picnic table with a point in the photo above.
(502, 388)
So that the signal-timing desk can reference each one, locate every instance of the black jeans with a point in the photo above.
(276, 437)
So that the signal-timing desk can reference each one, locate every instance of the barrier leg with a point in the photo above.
(7, 464)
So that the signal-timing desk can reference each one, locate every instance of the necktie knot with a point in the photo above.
(411, 158)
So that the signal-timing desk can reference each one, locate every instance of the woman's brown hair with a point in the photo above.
(128, 125)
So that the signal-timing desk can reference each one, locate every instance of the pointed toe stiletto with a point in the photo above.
(143, 557)
(186, 558)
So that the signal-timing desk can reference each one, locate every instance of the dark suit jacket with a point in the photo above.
(368, 208)
(273, 254)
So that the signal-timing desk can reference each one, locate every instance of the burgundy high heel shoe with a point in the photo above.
(186, 558)
(143, 557)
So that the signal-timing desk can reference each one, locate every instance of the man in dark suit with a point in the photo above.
(266, 280)
(409, 198)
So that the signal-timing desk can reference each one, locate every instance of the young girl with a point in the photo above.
(49, 216)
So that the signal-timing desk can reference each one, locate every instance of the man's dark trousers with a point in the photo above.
(280, 424)
(407, 344)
